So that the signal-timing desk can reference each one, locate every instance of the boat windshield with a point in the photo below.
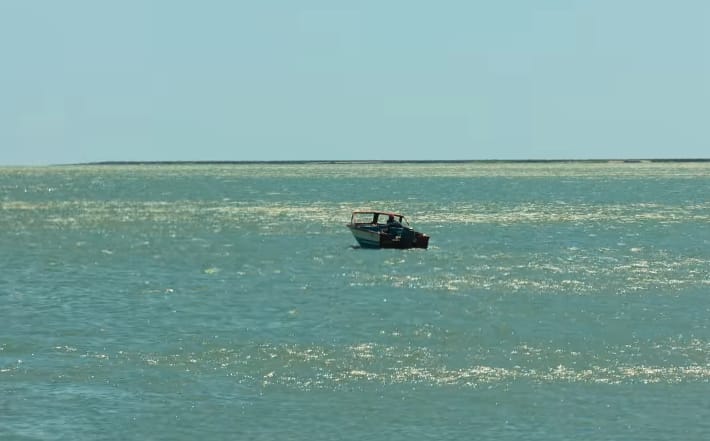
(376, 218)
(364, 218)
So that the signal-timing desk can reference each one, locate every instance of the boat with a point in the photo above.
(383, 229)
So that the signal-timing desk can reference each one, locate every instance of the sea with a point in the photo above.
(556, 301)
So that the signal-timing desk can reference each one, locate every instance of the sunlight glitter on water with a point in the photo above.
(78, 214)
(332, 367)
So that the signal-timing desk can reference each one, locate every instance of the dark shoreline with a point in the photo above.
(435, 161)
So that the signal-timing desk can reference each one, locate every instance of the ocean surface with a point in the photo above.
(557, 301)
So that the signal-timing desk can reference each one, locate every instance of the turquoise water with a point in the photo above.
(178, 302)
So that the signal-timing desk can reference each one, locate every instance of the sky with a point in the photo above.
(142, 80)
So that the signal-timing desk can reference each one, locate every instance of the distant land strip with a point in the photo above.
(404, 161)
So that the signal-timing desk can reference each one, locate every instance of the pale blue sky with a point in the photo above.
(286, 80)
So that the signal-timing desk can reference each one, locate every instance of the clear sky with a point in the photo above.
(131, 80)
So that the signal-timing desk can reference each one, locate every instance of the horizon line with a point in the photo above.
(386, 161)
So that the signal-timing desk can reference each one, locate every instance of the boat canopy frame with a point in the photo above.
(376, 217)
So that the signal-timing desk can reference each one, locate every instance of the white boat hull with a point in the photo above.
(366, 238)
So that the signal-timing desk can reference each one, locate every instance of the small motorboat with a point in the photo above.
(382, 229)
